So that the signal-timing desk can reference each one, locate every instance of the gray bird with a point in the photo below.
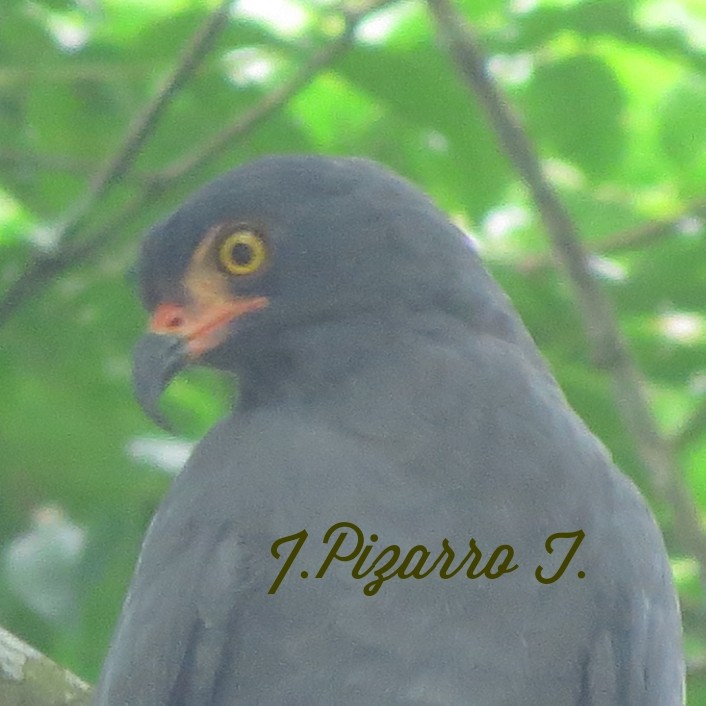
(401, 508)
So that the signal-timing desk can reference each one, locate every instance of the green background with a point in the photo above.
(612, 94)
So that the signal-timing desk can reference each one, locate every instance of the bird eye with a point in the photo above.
(242, 252)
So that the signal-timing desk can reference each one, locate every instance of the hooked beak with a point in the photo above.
(180, 335)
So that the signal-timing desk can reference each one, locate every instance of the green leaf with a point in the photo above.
(574, 106)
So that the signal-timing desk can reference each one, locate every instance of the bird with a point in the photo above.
(401, 507)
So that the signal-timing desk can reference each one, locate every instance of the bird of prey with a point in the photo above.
(401, 509)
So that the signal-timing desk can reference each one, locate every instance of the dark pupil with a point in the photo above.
(242, 254)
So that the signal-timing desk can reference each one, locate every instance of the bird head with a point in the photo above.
(291, 243)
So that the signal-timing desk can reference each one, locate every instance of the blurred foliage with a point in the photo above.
(613, 94)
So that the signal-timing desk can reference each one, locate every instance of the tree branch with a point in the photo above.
(47, 265)
(692, 428)
(273, 101)
(608, 348)
(28, 678)
(635, 238)
(142, 127)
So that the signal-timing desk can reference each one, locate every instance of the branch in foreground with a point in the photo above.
(28, 678)
(608, 348)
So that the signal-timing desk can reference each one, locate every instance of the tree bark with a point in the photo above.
(28, 678)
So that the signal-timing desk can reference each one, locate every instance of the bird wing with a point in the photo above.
(174, 627)
(247, 484)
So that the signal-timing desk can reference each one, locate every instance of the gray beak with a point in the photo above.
(157, 359)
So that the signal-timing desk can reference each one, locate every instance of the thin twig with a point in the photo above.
(269, 104)
(609, 350)
(692, 429)
(43, 268)
(45, 264)
(631, 239)
(145, 124)
(278, 97)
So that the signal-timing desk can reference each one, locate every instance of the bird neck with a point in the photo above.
(312, 361)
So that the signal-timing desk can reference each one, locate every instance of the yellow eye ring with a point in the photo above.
(242, 252)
